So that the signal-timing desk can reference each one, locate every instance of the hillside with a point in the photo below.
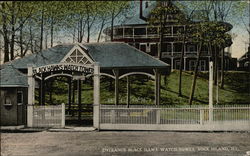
(236, 91)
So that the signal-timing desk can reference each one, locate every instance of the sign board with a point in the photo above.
(64, 67)
(80, 77)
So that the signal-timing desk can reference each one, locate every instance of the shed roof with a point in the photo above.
(11, 77)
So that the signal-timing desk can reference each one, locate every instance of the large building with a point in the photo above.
(244, 61)
(137, 31)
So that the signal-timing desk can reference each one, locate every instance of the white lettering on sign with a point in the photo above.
(63, 67)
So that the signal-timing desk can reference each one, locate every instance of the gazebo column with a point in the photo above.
(116, 73)
(79, 88)
(157, 86)
(128, 91)
(69, 94)
(31, 96)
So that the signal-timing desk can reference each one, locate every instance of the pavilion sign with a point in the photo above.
(63, 67)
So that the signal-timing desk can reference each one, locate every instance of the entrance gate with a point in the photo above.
(58, 113)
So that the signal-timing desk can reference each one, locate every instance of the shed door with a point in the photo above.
(20, 108)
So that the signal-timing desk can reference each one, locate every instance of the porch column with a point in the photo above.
(96, 105)
(31, 96)
(157, 86)
(128, 91)
(116, 72)
(79, 96)
(69, 94)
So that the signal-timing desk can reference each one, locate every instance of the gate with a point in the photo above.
(49, 116)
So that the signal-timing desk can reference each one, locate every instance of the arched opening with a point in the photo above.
(69, 88)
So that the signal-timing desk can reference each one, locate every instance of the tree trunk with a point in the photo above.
(12, 32)
(31, 40)
(195, 76)
(181, 64)
(21, 42)
(51, 32)
(112, 27)
(46, 39)
(41, 34)
(100, 32)
(222, 69)
(88, 36)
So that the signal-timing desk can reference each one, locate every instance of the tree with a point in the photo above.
(211, 34)
(13, 17)
(115, 8)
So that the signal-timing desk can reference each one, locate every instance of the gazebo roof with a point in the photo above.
(121, 55)
(108, 54)
(11, 77)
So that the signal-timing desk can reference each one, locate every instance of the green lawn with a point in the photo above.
(236, 91)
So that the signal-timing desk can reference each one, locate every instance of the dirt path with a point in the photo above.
(124, 143)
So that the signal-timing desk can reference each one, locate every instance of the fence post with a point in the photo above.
(112, 116)
(158, 116)
(63, 115)
(201, 116)
(96, 105)
(210, 91)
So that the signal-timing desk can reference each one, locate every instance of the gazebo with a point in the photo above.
(115, 60)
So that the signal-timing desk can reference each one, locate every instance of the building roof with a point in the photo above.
(108, 54)
(11, 77)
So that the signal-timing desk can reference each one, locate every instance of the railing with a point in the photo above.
(49, 116)
(196, 116)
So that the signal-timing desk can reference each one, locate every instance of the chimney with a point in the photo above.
(141, 12)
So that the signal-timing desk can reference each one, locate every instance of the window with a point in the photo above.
(19, 97)
(118, 32)
(191, 65)
(178, 30)
(152, 31)
(167, 47)
(168, 31)
(202, 65)
(143, 47)
(177, 47)
(177, 64)
(128, 31)
(7, 100)
(191, 48)
(154, 48)
(140, 31)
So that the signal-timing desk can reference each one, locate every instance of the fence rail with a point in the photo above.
(49, 116)
(182, 117)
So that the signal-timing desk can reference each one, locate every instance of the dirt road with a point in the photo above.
(124, 143)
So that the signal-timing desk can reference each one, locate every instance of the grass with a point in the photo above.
(236, 91)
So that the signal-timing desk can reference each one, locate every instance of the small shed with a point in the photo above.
(13, 89)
